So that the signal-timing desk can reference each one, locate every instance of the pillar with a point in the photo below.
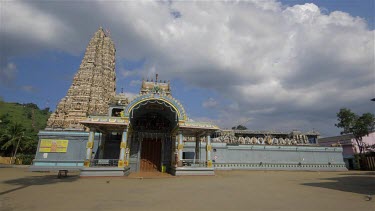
(197, 149)
(89, 146)
(101, 146)
(122, 159)
(127, 149)
(180, 148)
(208, 153)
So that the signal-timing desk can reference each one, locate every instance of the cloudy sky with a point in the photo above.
(279, 65)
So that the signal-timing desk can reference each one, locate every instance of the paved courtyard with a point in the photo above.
(228, 190)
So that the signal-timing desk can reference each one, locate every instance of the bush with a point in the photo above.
(31, 105)
(26, 159)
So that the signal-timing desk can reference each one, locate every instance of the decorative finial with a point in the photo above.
(107, 32)
(156, 77)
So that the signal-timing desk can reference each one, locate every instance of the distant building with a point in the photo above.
(349, 145)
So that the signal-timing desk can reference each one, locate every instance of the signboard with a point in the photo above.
(53, 145)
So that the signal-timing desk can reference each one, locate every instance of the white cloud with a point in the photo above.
(25, 27)
(126, 73)
(278, 64)
(28, 88)
(130, 95)
(8, 72)
(135, 82)
(209, 103)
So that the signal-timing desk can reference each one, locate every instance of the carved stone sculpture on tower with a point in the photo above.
(93, 87)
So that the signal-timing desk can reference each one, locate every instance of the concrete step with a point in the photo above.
(104, 172)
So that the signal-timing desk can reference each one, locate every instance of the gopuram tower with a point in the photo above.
(93, 87)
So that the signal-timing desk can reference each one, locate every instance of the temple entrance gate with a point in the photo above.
(152, 123)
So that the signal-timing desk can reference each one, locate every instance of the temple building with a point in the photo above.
(101, 133)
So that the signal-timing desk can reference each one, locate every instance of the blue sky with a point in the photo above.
(282, 65)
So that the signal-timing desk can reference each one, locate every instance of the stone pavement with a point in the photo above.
(228, 190)
(149, 175)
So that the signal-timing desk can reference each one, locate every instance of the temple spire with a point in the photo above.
(93, 85)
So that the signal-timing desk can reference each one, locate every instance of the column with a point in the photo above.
(174, 154)
(180, 148)
(127, 149)
(122, 159)
(197, 141)
(208, 153)
(89, 146)
(101, 146)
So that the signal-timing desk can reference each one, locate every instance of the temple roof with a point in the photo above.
(105, 123)
(201, 125)
(272, 132)
(156, 87)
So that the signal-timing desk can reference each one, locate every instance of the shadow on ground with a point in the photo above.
(354, 183)
(359, 173)
(25, 182)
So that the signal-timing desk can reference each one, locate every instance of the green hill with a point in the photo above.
(30, 117)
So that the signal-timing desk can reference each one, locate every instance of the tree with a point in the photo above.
(4, 120)
(45, 111)
(31, 105)
(359, 126)
(14, 137)
(239, 127)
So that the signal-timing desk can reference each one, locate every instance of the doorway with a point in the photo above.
(151, 155)
(152, 123)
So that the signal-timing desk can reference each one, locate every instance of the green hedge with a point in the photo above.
(26, 159)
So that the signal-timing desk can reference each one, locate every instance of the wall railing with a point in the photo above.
(104, 163)
(194, 163)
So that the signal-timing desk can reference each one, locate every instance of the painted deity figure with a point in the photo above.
(275, 141)
(241, 140)
(247, 140)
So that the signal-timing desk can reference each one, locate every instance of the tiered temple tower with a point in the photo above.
(93, 87)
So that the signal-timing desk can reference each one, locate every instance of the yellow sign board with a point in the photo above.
(53, 145)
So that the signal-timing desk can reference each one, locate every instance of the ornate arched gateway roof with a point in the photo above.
(167, 101)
